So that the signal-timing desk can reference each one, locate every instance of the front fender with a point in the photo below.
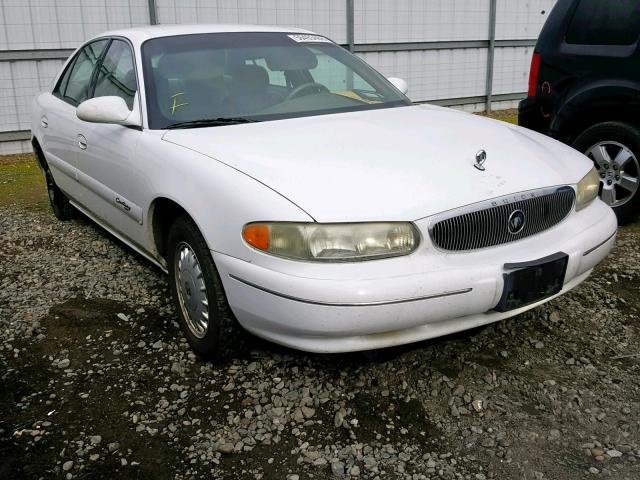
(220, 199)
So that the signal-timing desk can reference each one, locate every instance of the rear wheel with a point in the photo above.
(62, 209)
(614, 148)
(204, 314)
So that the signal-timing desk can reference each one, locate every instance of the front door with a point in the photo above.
(107, 167)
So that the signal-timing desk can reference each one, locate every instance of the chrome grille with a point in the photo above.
(487, 224)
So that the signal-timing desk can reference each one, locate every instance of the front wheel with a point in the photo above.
(614, 148)
(203, 312)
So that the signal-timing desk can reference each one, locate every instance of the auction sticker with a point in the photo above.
(306, 38)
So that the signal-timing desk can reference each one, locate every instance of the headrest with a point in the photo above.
(253, 78)
(291, 58)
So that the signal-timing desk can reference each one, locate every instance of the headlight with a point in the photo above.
(588, 189)
(332, 242)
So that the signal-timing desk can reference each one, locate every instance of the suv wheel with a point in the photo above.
(62, 209)
(203, 312)
(614, 148)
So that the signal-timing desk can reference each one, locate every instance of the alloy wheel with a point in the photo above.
(619, 170)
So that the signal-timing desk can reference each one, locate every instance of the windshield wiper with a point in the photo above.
(210, 122)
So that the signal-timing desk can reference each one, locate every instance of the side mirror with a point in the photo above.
(110, 109)
(400, 84)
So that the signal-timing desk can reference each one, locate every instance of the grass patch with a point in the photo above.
(509, 116)
(22, 182)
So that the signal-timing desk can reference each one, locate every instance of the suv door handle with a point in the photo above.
(82, 142)
(44, 122)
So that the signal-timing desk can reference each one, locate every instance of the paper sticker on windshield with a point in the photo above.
(305, 38)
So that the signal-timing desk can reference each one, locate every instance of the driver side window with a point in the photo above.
(116, 75)
(74, 85)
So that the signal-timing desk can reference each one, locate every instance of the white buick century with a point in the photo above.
(288, 187)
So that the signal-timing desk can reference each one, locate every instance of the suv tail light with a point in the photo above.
(534, 74)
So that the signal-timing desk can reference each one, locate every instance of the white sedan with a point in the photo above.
(272, 173)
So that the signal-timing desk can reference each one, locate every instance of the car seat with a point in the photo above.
(189, 86)
(250, 90)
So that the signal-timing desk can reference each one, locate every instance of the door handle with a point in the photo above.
(44, 122)
(82, 142)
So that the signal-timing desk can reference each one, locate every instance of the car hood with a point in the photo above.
(400, 163)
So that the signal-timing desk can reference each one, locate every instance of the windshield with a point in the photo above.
(226, 78)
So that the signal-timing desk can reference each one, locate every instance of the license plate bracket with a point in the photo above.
(530, 282)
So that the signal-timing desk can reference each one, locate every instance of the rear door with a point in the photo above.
(61, 139)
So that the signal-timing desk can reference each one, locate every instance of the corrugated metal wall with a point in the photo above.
(326, 16)
(31, 24)
(517, 20)
(404, 38)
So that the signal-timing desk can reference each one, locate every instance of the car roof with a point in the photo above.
(138, 35)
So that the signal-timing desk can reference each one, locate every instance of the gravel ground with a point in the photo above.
(96, 380)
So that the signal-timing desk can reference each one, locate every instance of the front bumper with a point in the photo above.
(370, 305)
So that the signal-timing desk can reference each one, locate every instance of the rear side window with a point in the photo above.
(116, 75)
(74, 85)
(605, 22)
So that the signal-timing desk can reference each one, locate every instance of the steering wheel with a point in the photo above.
(305, 86)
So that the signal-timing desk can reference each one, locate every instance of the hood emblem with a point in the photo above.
(516, 222)
(481, 157)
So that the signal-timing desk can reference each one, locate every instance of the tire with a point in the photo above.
(618, 140)
(193, 278)
(62, 209)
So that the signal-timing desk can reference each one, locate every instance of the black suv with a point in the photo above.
(584, 90)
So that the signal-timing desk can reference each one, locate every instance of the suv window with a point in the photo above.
(116, 74)
(74, 85)
(598, 22)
